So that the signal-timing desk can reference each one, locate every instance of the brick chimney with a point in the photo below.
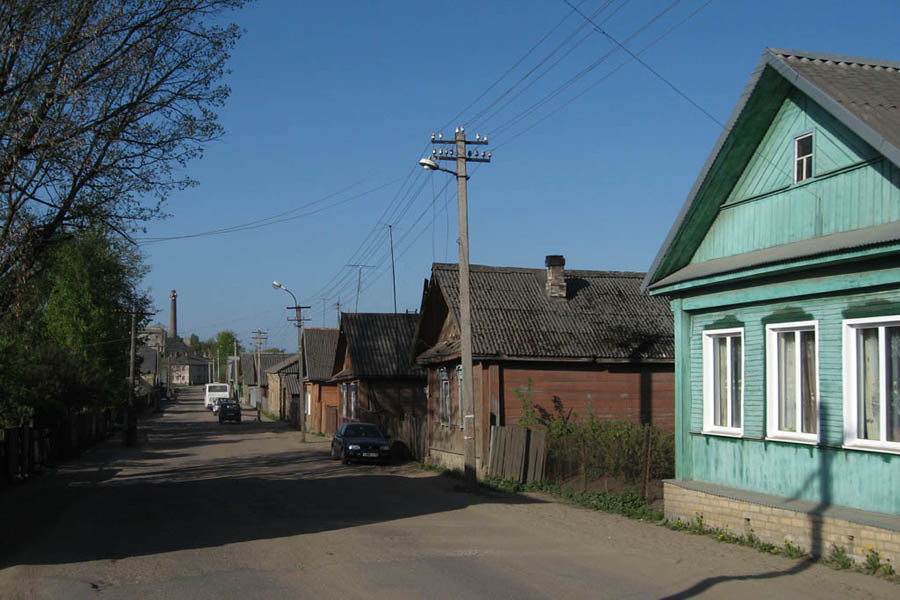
(173, 315)
(556, 276)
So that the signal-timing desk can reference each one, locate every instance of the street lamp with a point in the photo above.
(299, 320)
(462, 156)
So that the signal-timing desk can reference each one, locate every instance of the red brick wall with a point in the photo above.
(611, 392)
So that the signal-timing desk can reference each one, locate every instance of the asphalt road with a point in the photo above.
(200, 510)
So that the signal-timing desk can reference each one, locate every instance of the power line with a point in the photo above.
(645, 65)
(606, 76)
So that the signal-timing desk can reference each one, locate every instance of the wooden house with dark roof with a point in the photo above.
(277, 398)
(376, 377)
(321, 394)
(585, 342)
(783, 270)
(254, 388)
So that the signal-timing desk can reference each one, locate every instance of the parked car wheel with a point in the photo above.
(334, 454)
(344, 458)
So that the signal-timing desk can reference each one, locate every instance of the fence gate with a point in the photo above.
(518, 454)
(331, 419)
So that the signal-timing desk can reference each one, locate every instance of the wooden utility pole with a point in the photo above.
(462, 155)
(393, 274)
(299, 324)
(234, 373)
(130, 414)
(259, 338)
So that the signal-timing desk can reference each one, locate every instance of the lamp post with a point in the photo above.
(461, 155)
(299, 323)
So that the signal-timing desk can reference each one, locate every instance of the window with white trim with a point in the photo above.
(444, 396)
(354, 402)
(803, 157)
(872, 383)
(792, 386)
(723, 381)
(308, 402)
(459, 396)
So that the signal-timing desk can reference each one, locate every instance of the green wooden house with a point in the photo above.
(783, 270)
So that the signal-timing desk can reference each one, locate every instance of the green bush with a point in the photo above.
(615, 449)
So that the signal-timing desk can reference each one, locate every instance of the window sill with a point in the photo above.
(880, 449)
(789, 439)
(724, 433)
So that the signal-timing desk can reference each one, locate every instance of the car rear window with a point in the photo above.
(218, 388)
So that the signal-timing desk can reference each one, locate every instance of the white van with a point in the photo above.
(214, 391)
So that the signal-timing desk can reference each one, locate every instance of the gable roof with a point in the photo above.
(378, 344)
(292, 384)
(319, 347)
(605, 316)
(288, 365)
(267, 359)
(861, 93)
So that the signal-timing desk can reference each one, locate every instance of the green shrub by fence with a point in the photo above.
(582, 449)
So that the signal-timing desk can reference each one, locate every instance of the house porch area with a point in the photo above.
(774, 519)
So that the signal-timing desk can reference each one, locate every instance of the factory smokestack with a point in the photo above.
(173, 315)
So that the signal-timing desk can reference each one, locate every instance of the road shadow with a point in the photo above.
(104, 510)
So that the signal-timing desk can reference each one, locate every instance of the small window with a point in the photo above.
(792, 390)
(872, 383)
(723, 381)
(308, 402)
(803, 158)
(354, 402)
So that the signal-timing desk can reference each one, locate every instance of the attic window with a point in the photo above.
(803, 157)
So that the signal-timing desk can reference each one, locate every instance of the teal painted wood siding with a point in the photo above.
(853, 188)
(821, 473)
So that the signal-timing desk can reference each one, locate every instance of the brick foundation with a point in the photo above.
(775, 520)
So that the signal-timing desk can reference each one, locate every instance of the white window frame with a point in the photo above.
(443, 396)
(772, 399)
(308, 402)
(851, 406)
(709, 426)
(805, 158)
(354, 401)
(459, 396)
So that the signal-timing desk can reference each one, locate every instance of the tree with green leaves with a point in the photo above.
(102, 105)
(72, 351)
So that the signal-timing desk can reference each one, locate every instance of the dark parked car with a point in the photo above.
(360, 441)
(229, 411)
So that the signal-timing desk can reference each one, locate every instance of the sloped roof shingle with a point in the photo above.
(605, 316)
(379, 344)
(319, 346)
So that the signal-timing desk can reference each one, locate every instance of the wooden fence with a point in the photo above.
(518, 454)
(409, 430)
(26, 451)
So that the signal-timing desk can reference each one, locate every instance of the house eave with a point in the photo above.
(851, 246)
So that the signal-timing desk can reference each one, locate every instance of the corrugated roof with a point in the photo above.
(862, 93)
(379, 344)
(869, 89)
(319, 347)
(267, 359)
(288, 365)
(856, 239)
(605, 315)
(292, 384)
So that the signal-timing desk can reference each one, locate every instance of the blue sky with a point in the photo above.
(333, 103)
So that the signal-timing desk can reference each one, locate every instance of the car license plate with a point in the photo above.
(370, 454)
